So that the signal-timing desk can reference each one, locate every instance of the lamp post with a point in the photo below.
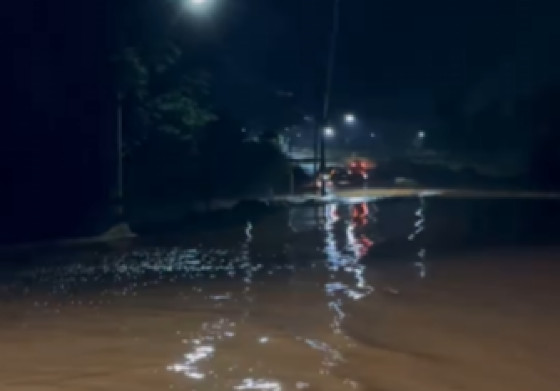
(419, 139)
(328, 89)
(120, 181)
(319, 139)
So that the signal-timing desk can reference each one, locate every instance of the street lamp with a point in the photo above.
(350, 119)
(196, 3)
(419, 140)
(329, 132)
(202, 6)
(198, 6)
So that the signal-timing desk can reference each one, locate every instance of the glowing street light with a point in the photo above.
(329, 132)
(198, 6)
(419, 140)
(349, 118)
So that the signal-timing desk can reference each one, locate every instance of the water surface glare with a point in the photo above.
(342, 297)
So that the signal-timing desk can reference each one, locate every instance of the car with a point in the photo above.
(333, 177)
(355, 172)
(359, 170)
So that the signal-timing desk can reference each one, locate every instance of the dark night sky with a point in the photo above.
(393, 57)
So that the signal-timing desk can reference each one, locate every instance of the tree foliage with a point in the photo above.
(157, 94)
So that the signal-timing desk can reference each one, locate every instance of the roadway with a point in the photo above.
(387, 192)
(356, 195)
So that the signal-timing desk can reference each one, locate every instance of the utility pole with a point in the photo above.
(328, 90)
(119, 229)
(120, 174)
(316, 136)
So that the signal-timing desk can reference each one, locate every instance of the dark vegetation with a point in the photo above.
(526, 127)
(65, 89)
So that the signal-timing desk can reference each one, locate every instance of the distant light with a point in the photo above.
(298, 135)
(284, 93)
(372, 135)
(421, 134)
(349, 118)
(243, 130)
(329, 131)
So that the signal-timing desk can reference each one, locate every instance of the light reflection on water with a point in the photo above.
(214, 317)
(419, 228)
(341, 262)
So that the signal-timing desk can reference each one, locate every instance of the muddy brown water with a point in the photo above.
(409, 295)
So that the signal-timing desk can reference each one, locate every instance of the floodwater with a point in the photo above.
(417, 294)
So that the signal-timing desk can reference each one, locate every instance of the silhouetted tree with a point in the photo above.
(157, 95)
(544, 126)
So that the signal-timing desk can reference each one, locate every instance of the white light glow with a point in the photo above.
(329, 131)
(199, 6)
(349, 118)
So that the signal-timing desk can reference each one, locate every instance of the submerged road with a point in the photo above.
(365, 194)
(422, 294)
(442, 192)
(342, 196)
